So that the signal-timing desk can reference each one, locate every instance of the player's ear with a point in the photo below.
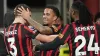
(73, 12)
(55, 17)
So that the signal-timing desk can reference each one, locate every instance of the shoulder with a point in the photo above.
(56, 28)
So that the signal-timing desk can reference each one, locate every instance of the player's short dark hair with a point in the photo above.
(84, 14)
(61, 18)
(55, 10)
(19, 6)
(97, 16)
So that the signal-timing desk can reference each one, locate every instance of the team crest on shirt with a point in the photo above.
(60, 35)
(55, 28)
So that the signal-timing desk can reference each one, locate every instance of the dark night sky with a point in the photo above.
(31, 3)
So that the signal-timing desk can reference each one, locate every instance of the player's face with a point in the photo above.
(71, 12)
(48, 16)
(98, 21)
(58, 21)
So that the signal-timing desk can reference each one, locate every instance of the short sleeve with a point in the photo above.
(56, 28)
(65, 34)
(31, 32)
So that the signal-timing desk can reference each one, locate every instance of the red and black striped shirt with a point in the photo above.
(82, 40)
(56, 28)
(18, 39)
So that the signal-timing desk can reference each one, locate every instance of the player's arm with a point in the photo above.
(30, 33)
(42, 29)
(60, 40)
(26, 15)
(48, 46)
(45, 38)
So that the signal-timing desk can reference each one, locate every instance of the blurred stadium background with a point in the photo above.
(38, 6)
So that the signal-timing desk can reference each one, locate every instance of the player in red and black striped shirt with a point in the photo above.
(82, 35)
(49, 14)
(18, 37)
(50, 28)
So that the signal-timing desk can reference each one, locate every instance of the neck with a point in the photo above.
(19, 19)
(49, 25)
(52, 24)
(76, 18)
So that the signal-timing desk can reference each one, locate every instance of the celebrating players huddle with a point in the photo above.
(82, 35)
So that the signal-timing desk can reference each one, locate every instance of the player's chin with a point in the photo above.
(45, 22)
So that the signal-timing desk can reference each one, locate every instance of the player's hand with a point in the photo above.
(34, 51)
(34, 48)
(25, 13)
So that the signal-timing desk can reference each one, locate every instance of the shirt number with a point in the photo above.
(89, 48)
(11, 41)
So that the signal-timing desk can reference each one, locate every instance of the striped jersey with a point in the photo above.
(18, 39)
(56, 28)
(82, 40)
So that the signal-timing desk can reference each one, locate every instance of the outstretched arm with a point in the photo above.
(26, 15)
(45, 38)
(42, 29)
(48, 46)
(61, 39)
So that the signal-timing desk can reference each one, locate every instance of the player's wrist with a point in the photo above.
(36, 48)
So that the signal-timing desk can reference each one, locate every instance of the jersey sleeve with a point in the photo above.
(49, 46)
(56, 28)
(64, 35)
(60, 40)
(31, 32)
